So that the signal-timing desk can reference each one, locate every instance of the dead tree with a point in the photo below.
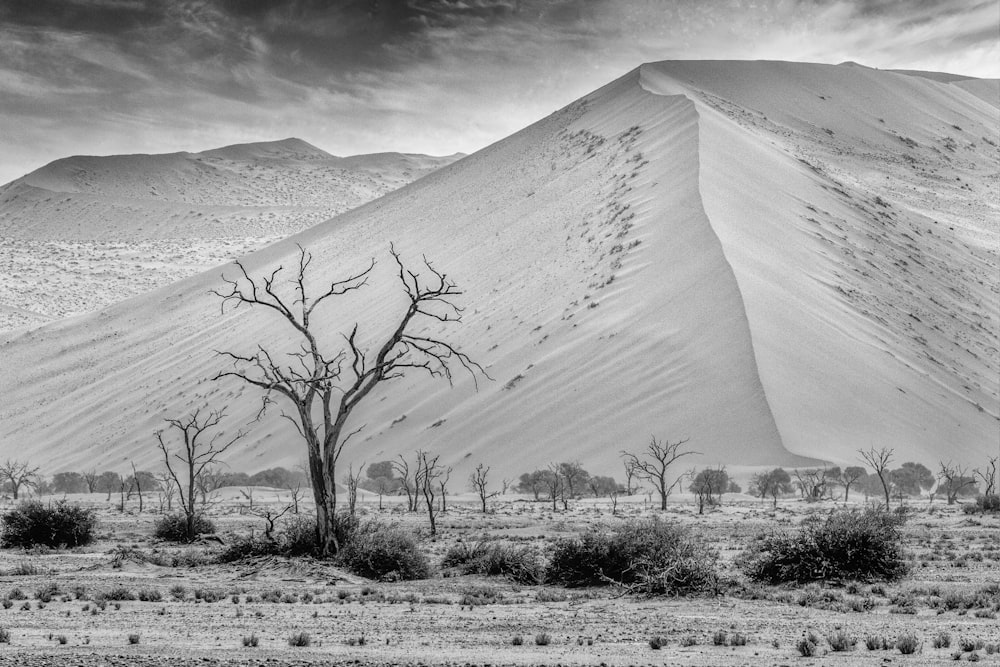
(352, 480)
(90, 478)
(443, 485)
(956, 480)
(654, 464)
(211, 480)
(138, 484)
(479, 481)
(195, 455)
(989, 476)
(402, 468)
(270, 515)
(556, 486)
(849, 476)
(426, 478)
(314, 381)
(18, 474)
(166, 493)
(879, 460)
(812, 483)
(629, 476)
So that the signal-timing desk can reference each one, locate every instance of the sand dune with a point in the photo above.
(776, 260)
(84, 232)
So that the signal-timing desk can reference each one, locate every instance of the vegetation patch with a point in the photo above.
(862, 545)
(58, 524)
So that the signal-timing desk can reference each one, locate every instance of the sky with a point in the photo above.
(99, 77)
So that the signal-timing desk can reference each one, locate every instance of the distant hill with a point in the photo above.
(85, 231)
(783, 262)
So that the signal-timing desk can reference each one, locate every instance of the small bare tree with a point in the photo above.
(812, 483)
(849, 476)
(879, 460)
(18, 474)
(313, 381)
(955, 480)
(402, 468)
(195, 455)
(270, 515)
(90, 478)
(166, 491)
(352, 480)
(629, 476)
(479, 481)
(654, 463)
(138, 484)
(426, 478)
(443, 479)
(989, 476)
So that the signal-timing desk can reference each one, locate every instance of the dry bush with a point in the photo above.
(56, 525)
(862, 545)
(647, 556)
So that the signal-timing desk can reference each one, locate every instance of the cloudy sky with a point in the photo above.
(430, 76)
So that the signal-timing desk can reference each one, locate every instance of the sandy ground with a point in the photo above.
(431, 623)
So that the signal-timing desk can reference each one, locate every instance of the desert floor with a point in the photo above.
(432, 622)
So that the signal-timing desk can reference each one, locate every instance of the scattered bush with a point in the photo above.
(847, 544)
(383, 552)
(657, 642)
(841, 641)
(942, 640)
(520, 564)
(648, 556)
(806, 648)
(4, 635)
(300, 639)
(133, 638)
(518, 640)
(252, 641)
(58, 524)
(908, 643)
(543, 639)
(173, 527)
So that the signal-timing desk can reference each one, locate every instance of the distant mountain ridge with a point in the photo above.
(67, 224)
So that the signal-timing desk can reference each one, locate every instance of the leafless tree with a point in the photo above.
(248, 494)
(270, 515)
(211, 480)
(629, 476)
(505, 485)
(402, 468)
(479, 481)
(166, 493)
(18, 474)
(195, 455)
(989, 476)
(138, 484)
(812, 483)
(849, 476)
(90, 478)
(555, 485)
(956, 480)
(352, 480)
(443, 485)
(426, 478)
(653, 464)
(879, 460)
(333, 384)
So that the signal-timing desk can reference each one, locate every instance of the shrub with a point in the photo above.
(841, 641)
(4, 635)
(133, 638)
(252, 641)
(58, 524)
(300, 639)
(908, 644)
(518, 640)
(847, 544)
(942, 640)
(543, 639)
(806, 648)
(383, 552)
(173, 527)
(520, 564)
(657, 642)
(648, 556)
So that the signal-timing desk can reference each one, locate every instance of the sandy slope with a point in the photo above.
(657, 258)
(84, 232)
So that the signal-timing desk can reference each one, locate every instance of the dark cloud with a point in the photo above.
(89, 76)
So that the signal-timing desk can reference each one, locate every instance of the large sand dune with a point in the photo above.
(84, 232)
(776, 260)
